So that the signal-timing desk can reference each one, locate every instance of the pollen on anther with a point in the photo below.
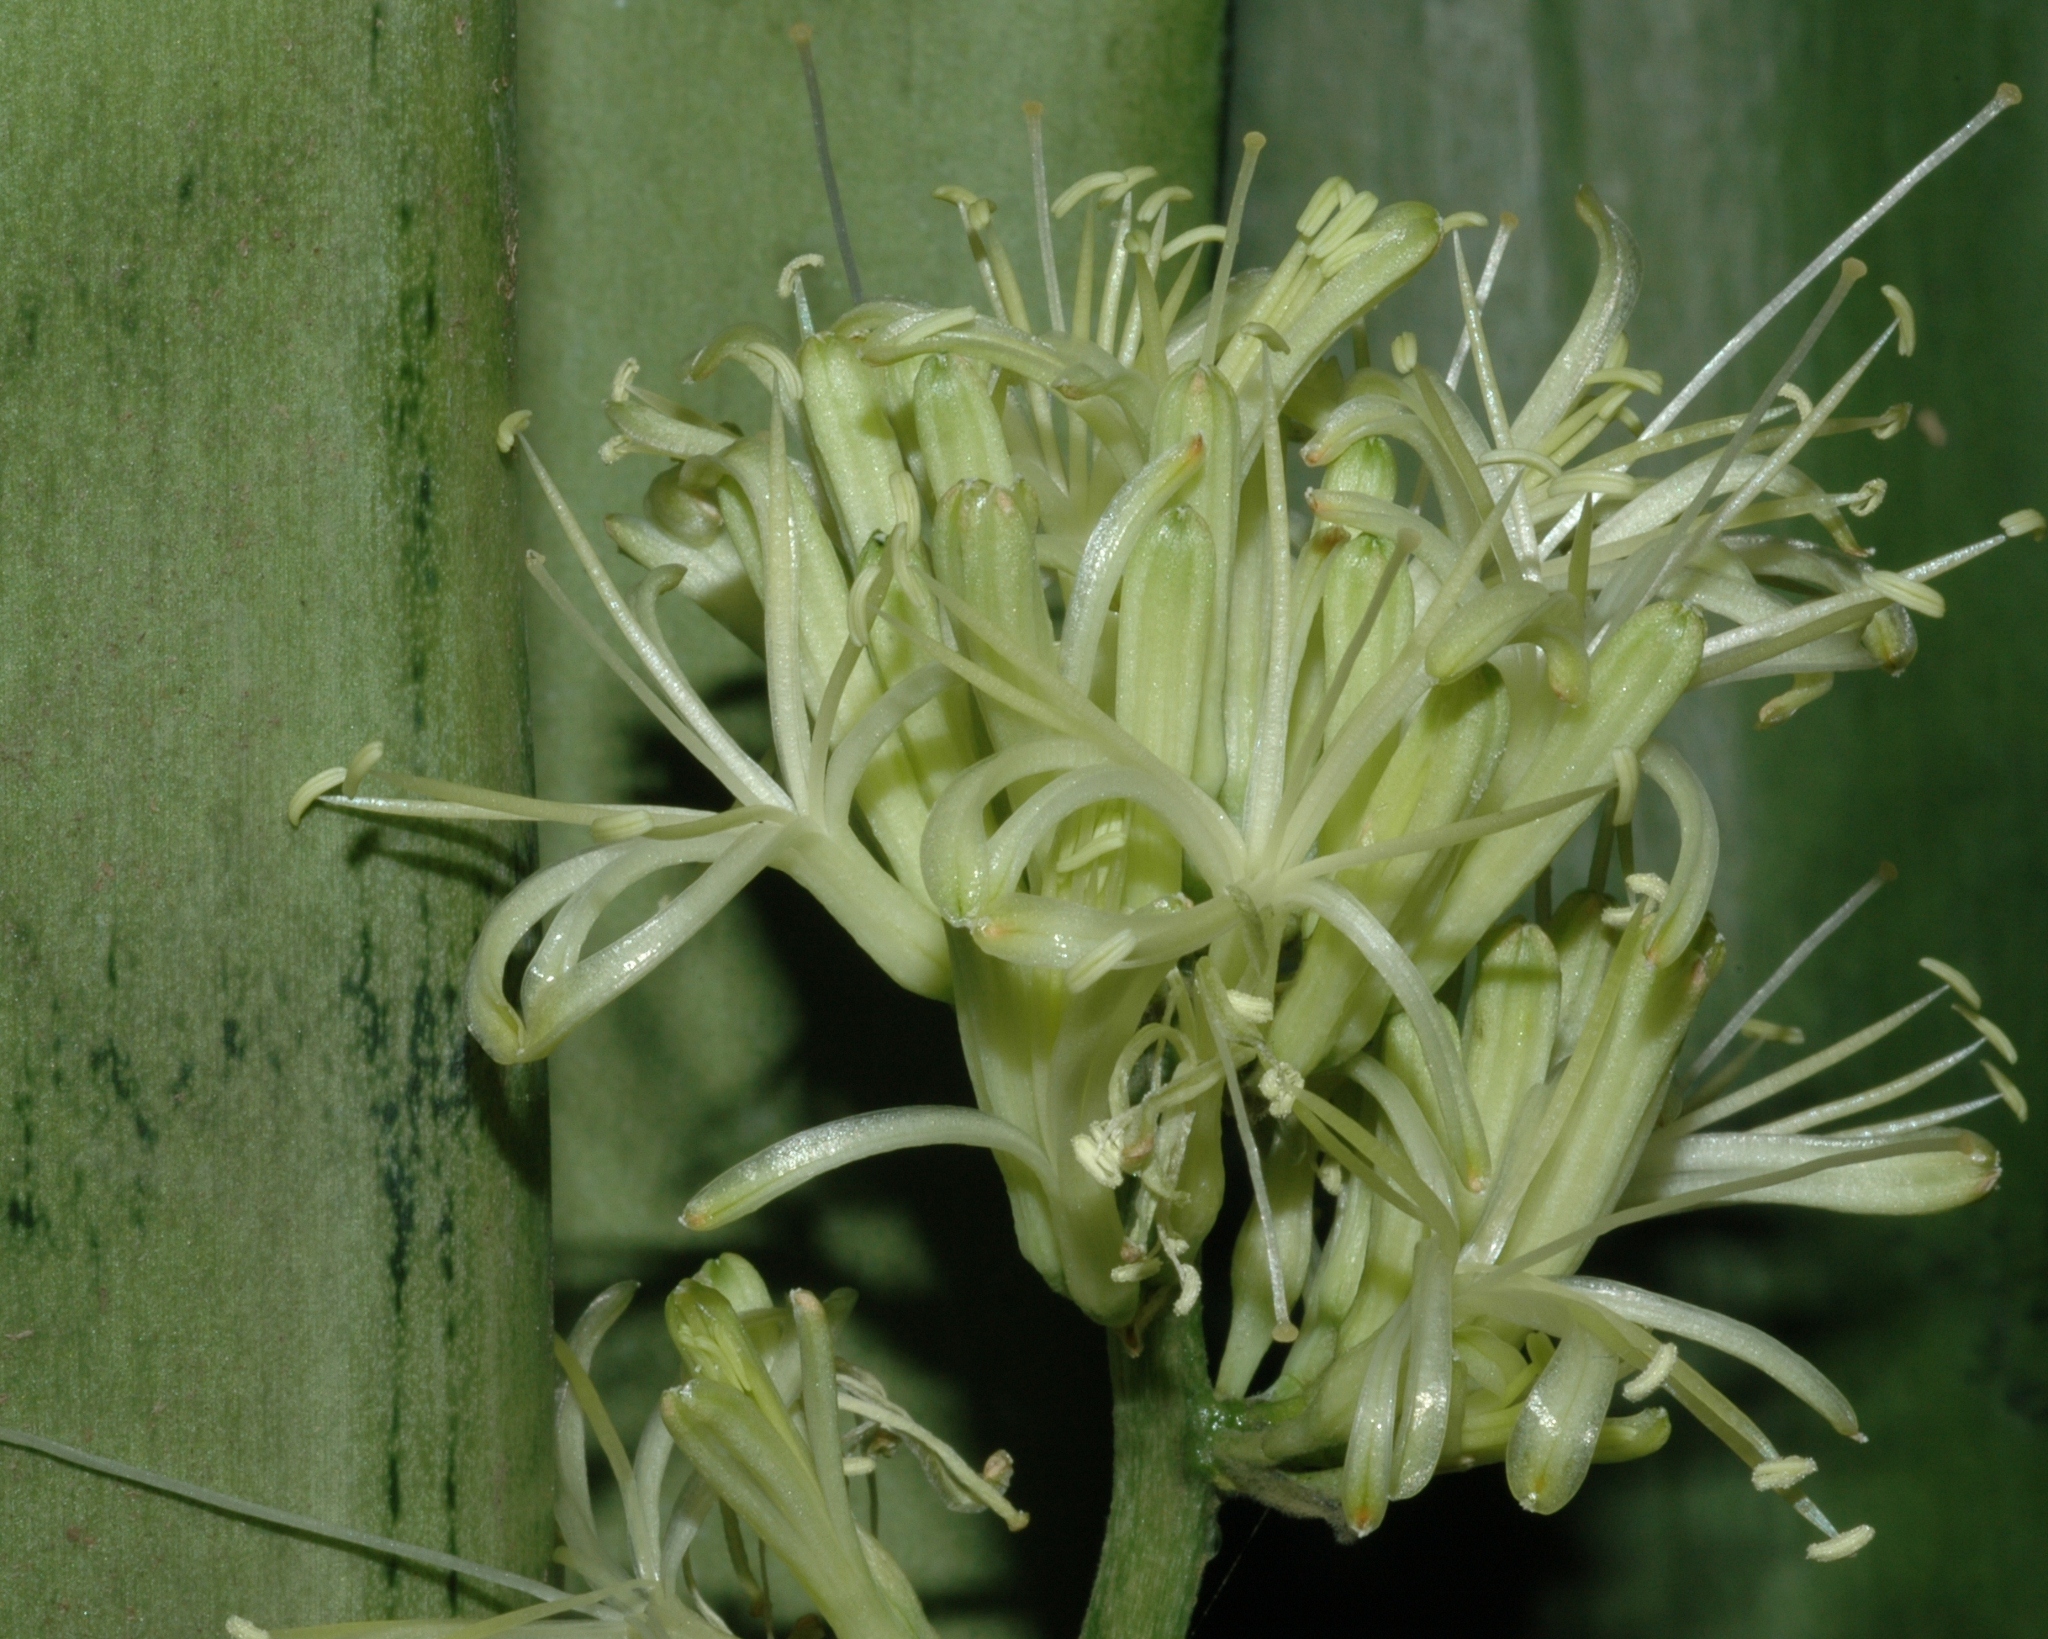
(1843, 1545)
(1782, 1473)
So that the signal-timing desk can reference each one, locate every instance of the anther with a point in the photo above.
(1842, 1545)
(1902, 310)
(1797, 397)
(240, 1627)
(312, 791)
(1461, 219)
(1403, 353)
(1953, 979)
(2015, 1100)
(1250, 1007)
(2026, 521)
(1782, 1473)
(2001, 1043)
(1914, 595)
(1655, 1373)
(1648, 885)
(359, 765)
(1280, 1086)
(512, 426)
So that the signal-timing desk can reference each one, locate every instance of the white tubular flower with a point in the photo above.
(1174, 790)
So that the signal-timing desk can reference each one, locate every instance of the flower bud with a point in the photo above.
(1636, 679)
(1290, 1173)
(850, 436)
(1612, 1090)
(982, 549)
(1444, 759)
(1168, 595)
(959, 433)
(1555, 1437)
(1584, 942)
(1511, 1025)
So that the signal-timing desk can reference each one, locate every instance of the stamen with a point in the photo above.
(2001, 1043)
(1782, 1473)
(1954, 980)
(1034, 123)
(1706, 1115)
(790, 286)
(1219, 293)
(1886, 872)
(365, 760)
(328, 779)
(1653, 1375)
(1842, 1545)
(1633, 588)
(1871, 1098)
(511, 427)
(1903, 311)
(1508, 223)
(2005, 97)
(800, 37)
(1284, 1330)
(2015, 1100)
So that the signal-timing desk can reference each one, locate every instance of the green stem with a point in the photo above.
(1162, 1506)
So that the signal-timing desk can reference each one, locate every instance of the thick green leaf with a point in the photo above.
(267, 1226)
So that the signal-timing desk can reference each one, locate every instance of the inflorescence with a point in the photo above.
(1212, 807)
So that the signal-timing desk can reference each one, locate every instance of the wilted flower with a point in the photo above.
(1194, 806)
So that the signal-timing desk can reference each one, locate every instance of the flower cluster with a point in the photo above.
(767, 1429)
(1200, 808)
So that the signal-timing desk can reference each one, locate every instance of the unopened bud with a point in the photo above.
(957, 426)
(982, 549)
(851, 437)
